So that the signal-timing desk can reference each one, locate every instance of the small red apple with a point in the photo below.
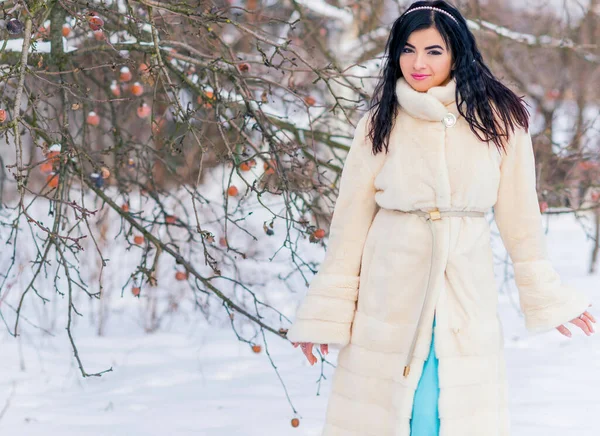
(144, 68)
(144, 111)
(181, 276)
(114, 89)
(232, 191)
(99, 35)
(93, 119)
(94, 21)
(310, 100)
(52, 180)
(137, 89)
(269, 167)
(47, 166)
(319, 233)
(125, 74)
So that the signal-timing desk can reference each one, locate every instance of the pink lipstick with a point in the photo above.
(419, 76)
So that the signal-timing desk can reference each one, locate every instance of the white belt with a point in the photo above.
(431, 216)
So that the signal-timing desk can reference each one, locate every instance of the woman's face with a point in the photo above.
(425, 60)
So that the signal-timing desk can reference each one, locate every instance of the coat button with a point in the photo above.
(449, 119)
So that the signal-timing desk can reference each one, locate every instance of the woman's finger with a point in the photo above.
(324, 349)
(582, 325)
(565, 331)
(307, 350)
(590, 316)
(585, 317)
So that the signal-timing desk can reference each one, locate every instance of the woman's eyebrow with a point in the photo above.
(426, 48)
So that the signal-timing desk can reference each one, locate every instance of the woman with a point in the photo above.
(409, 256)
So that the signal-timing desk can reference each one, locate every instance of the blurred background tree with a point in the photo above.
(187, 153)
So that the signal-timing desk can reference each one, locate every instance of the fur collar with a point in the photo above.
(431, 105)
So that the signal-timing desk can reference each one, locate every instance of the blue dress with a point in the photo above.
(425, 420)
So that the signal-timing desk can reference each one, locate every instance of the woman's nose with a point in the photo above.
(419, 62)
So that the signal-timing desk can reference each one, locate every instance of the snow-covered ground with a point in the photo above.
(192, 379)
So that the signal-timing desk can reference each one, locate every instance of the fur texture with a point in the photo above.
(368, 293)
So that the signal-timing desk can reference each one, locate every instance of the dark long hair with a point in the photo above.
(491, 108)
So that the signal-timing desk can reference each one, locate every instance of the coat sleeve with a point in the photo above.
(327, 311)
(545, 301)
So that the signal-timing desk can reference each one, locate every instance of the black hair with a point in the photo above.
(491, 108)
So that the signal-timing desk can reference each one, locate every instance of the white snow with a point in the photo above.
(326, 10)
(194, 379)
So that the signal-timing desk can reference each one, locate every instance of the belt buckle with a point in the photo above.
(435, 215)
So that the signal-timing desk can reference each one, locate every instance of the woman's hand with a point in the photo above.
(307, 348)
(584, 321)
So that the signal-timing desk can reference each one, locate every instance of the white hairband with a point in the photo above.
(433, 9)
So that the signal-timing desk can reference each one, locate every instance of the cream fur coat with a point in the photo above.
(368, 293)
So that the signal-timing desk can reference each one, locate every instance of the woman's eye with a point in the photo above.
(434, 52)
